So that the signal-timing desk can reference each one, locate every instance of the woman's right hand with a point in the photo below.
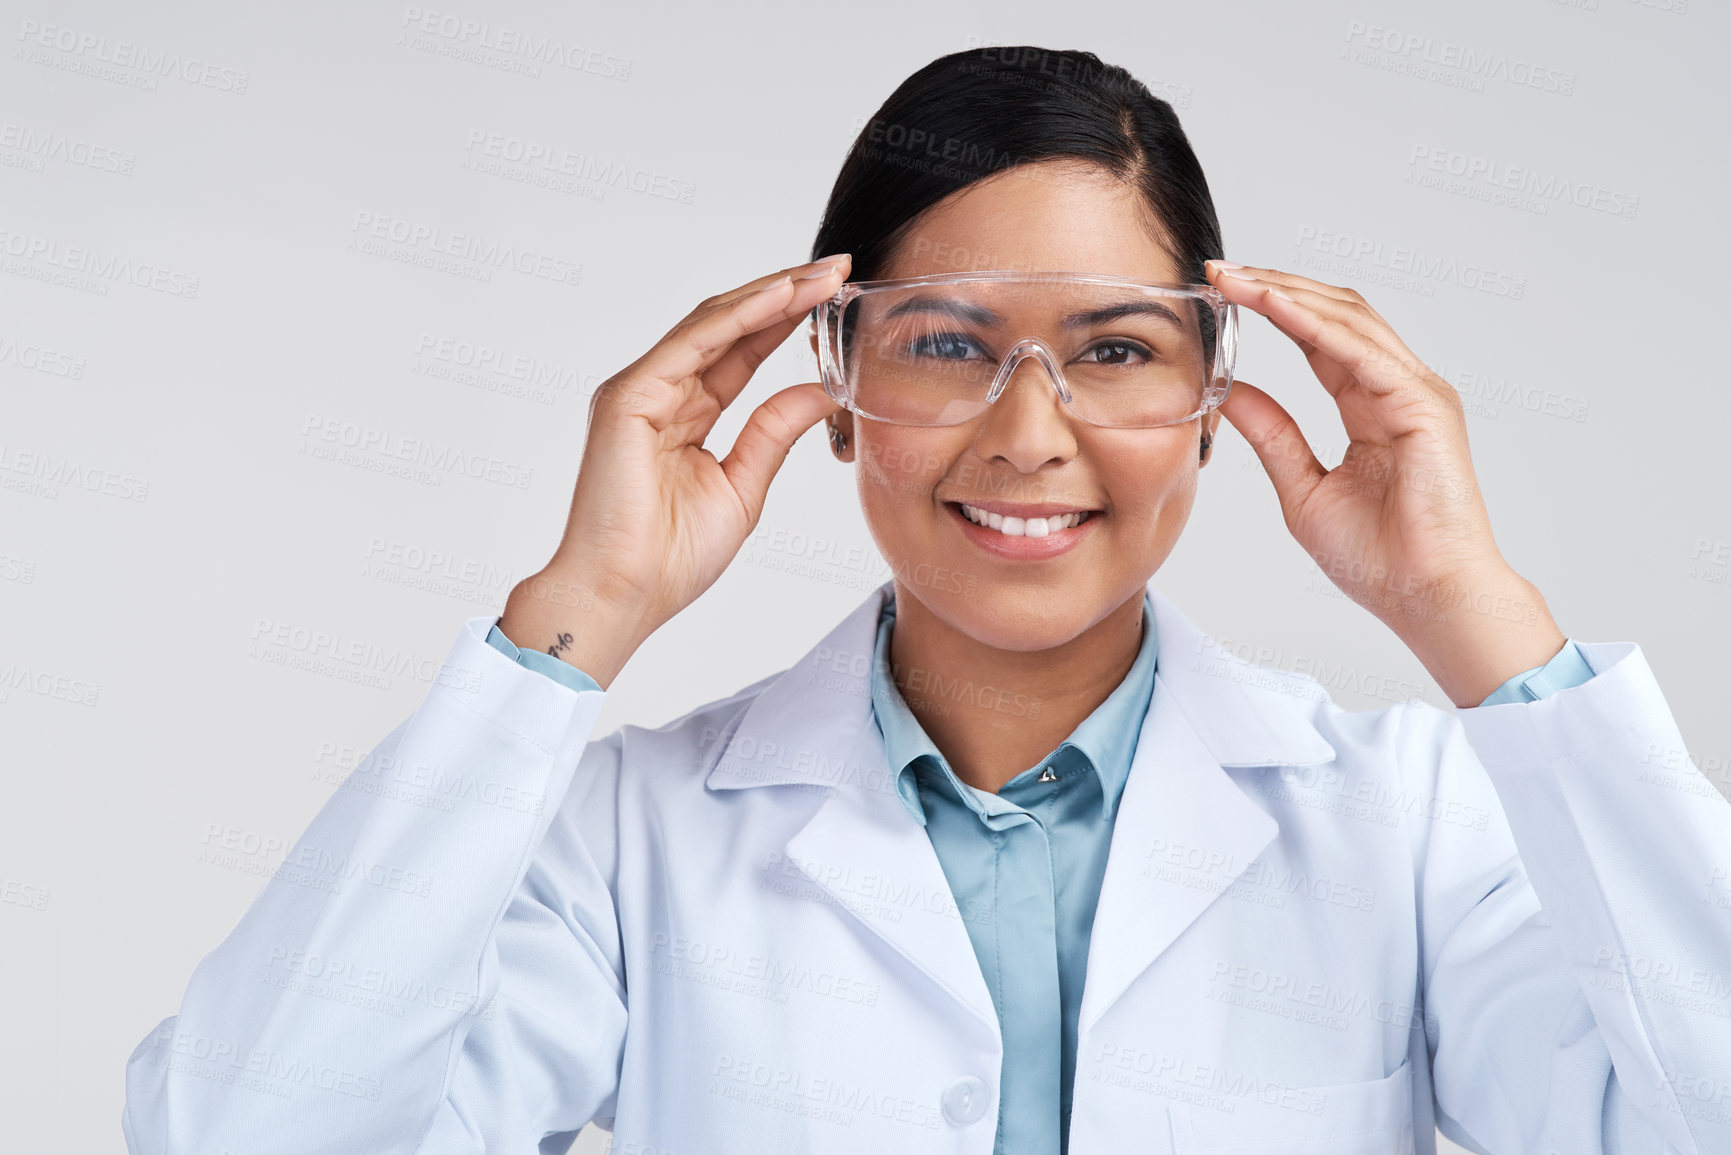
(656, 518)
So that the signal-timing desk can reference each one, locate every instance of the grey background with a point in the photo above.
(163, 504)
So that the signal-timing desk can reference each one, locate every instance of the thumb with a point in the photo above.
(1279, 444)
(763, 444)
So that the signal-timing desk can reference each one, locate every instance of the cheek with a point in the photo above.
(895, 474)
(1154, 491)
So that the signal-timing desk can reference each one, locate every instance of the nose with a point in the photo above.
(1027, 423)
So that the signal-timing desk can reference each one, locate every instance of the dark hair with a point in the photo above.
(970, 114)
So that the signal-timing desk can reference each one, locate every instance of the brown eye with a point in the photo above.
(1115, 353)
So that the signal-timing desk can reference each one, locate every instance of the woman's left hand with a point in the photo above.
(1399, 525)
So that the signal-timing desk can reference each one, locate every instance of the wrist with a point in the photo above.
(1493, 629)
(564, 617)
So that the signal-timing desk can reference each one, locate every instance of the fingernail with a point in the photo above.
(1223, 264)
(1233, 272)
(830, 264)
(776, 284)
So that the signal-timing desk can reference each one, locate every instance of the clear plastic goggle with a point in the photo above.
(938, 350)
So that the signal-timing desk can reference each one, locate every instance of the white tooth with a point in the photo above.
(995, 520)
(1070, 520)
(1037, 527)
(1014, 526)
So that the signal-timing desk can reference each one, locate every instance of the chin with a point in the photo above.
(1016, 616)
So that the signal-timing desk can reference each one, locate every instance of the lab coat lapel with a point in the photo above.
(812, 726)
(1185, 830)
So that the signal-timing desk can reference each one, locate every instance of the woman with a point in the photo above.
(1016, 859)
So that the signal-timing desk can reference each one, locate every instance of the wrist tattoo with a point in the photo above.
(560, 644)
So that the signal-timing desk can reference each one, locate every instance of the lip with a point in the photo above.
(1025, 509)
(1022, 548)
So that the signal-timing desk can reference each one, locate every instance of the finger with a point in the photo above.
(658, 384)
(1221, 277)
(842, 261)
(1279, 444)
(691, 347)
(724, 380)
(1352, 313)
(1375, 360)
(763, 444)
(731, 373)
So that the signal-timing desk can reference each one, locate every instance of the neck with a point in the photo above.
(1018, 704)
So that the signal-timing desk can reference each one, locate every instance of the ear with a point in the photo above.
(1211, 429)
(841, 420)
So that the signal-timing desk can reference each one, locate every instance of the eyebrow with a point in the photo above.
(980, 315)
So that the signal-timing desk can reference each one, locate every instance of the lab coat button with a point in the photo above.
(966, 1099)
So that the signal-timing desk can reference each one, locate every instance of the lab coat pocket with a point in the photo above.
(1371, 1118)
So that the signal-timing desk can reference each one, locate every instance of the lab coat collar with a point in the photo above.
(796, 727)
(812, 726)
(1103, 739)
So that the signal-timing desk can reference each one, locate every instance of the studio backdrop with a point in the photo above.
(302, 307)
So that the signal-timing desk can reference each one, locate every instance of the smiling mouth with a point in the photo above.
(1011, 526)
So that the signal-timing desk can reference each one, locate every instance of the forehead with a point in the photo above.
(1053, 216)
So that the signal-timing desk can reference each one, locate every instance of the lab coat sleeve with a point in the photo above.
(1568, 668)
(1576, 962)
(562, 672)
(435, 969)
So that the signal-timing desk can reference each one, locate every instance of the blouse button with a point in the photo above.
(965, 1100)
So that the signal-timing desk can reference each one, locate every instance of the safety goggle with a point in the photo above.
(938, 350)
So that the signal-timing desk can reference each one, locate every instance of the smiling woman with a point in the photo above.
(1015, 859)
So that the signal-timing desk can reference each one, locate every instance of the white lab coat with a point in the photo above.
(726, 934)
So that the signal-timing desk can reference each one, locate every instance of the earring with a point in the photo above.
(1207, 440)
(837, 440)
